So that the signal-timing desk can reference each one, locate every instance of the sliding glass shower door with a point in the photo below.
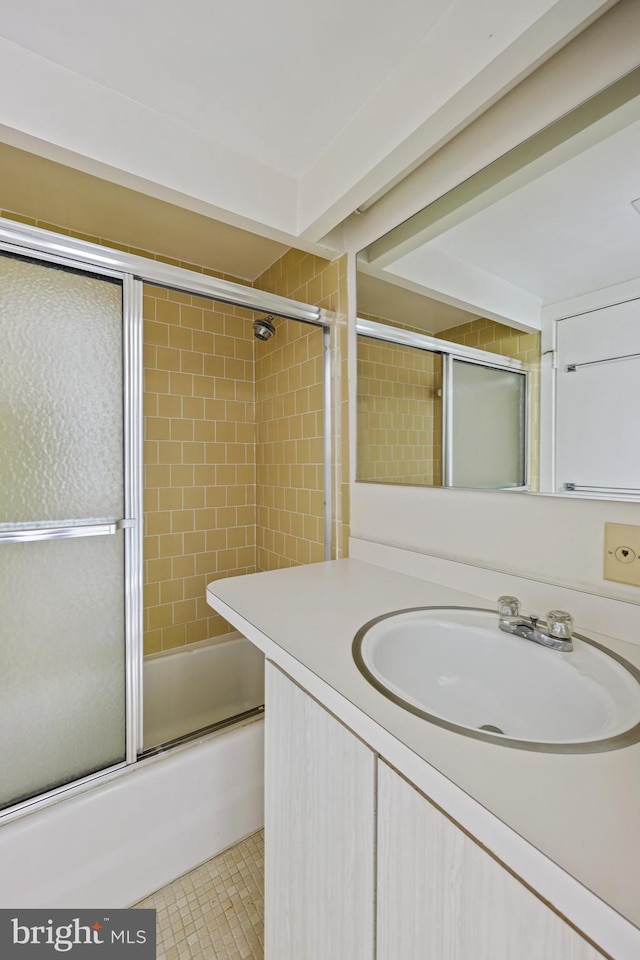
(62, 510)
(485, 426)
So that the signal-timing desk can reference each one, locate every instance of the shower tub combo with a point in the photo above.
(155, 820)
(191, 688)
(94, 809)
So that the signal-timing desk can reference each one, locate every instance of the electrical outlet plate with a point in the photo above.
(622, 553)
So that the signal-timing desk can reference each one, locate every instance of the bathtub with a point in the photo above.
(139, 828)
(192, 687)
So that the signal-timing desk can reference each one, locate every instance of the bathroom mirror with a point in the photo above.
(536, 258)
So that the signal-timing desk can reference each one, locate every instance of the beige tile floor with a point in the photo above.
(215, 912)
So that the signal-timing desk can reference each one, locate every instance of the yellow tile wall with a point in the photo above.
(399, 414)
(199, 461)
(290, 429)
(322, 283)
(509, 342)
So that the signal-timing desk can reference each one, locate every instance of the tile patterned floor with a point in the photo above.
(215, 912)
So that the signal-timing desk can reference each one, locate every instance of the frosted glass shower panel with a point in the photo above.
(61, 428)
(487, 427)
(62, 676)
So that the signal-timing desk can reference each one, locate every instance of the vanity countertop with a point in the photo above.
(580, 811)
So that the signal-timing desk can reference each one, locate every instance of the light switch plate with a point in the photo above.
(622, 553)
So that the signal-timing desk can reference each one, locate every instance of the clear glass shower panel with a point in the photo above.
(487, 434)
(61, 427)
(62, 655)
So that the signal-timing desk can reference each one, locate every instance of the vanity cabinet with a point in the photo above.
(361, 866)
(319, 831)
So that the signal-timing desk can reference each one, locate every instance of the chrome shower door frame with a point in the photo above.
(133, 271)
(130, 524)
(493, 363)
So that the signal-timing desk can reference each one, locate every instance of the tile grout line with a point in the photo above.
(215, 912)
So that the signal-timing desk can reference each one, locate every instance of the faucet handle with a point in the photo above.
(560, 624)
(508, 608)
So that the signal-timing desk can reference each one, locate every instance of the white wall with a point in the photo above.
(557, 539)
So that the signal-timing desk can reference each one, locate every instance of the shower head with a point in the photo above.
(263, 328)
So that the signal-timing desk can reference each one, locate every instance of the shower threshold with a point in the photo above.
(254, 714)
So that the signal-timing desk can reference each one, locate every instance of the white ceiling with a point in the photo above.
(384, 300)
(281, 117)
(571, 231)
(248, 74)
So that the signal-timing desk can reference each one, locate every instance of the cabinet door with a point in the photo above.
(441, 895)
(598, 366)
(319, 831)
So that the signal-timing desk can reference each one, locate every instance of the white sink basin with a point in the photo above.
(454, 667)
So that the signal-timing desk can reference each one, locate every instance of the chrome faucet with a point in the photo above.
(555, 633)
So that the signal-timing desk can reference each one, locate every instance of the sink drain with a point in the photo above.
(490, 728)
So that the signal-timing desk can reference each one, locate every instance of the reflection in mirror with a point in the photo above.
(399, 411)
(536, 257)
(448, 408)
